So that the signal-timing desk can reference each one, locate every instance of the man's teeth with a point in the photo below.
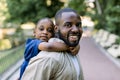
(74, 37)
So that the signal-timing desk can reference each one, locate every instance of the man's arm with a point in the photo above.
(52, 46)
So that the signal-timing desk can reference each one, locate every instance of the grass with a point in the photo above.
(10, 57)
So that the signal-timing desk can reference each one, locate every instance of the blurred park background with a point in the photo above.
(100, 20)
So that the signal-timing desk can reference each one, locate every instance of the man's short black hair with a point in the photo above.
(59, 13)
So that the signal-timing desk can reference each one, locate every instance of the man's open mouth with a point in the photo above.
(73, 38)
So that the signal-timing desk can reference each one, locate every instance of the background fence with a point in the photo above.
(10, 57)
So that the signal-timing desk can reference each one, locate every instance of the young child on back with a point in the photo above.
(43, 31)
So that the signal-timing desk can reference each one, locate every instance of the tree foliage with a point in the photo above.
(109, 18)
(78, 5)
(22, 11)
(105, 14)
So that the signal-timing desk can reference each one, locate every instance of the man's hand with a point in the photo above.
(74, 50)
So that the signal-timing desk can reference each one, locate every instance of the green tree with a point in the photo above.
(107, 15)
(22, 11)
(78, 5)
(3, 11)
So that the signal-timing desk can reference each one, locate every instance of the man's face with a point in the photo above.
(70, 30)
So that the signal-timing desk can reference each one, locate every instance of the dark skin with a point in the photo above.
(68, 27)
(44, 32)
(70, 30)
(74, 50)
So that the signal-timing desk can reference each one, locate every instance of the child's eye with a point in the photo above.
(41, 28)
(78, 24)
(68, 24)
(50, 30)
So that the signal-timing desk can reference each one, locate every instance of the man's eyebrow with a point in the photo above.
(71, 22)
(68, 21)
(80, 22)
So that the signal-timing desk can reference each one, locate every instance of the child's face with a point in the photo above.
(44, 30)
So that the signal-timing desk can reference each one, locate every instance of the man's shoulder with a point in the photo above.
(52, 55)
(55, 40)
(48, 56)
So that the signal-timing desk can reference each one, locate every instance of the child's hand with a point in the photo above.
(74, 50)
(64, 47)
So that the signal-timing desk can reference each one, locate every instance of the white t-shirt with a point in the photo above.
(76, 65)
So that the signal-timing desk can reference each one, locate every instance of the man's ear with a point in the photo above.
(56, 28)
(56, 31)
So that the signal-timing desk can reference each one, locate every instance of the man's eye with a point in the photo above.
(78, 24)
(68, 25)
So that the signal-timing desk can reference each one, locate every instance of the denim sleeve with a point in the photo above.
(31, 49)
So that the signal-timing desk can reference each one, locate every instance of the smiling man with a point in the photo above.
(59, 65)
(69, 28)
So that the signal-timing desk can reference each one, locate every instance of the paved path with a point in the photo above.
(15, 76)
(96, 63)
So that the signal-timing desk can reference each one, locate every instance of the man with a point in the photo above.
(59, 65)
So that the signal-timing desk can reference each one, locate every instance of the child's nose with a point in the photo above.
(45, 31)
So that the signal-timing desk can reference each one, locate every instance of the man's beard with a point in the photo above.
(66, 40)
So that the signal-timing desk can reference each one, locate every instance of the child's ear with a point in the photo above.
(34, 32)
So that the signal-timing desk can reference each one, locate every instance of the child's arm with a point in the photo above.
(74, 50)
(52, 46)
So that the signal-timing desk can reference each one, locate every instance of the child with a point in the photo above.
(44, 30)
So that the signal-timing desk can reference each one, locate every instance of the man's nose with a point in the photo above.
(75, 28)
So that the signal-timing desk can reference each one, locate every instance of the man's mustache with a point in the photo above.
(74, 34)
